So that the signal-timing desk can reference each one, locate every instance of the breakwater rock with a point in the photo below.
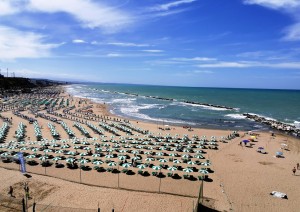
(274, 124)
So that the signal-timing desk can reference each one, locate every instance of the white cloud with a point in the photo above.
(292, 33)
(89, 13)
(291, 7)
(153, 50)
(113, 55)
(17, 44)
(248, 64)
(78, 41)
(193, 59)
(124, 44)
(275, 4)
(8, 7)
(167, 6)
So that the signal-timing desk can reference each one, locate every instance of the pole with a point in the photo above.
(80, 173)
(118, 177)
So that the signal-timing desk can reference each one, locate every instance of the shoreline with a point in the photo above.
(271, 125)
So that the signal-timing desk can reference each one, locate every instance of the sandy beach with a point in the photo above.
(236, 176)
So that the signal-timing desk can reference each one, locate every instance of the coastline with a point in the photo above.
(233, 168)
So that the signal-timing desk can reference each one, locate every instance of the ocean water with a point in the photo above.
(131, 101)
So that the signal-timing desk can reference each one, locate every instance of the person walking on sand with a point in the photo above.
(11, 191)
(294, 170)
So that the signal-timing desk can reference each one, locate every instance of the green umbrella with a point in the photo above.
(87, 148)
(199, 156)
(59, 151)
(98, 162)
(111, 164)
(162, 160)
(188, 170)
(82, 161)
(43, 157)
(206, 164)
(31, 156)
(176, 161)
(127, 165)
(109, 156)
(149, 159)
(96, 155)
(70, 160)
(160, 153)
(122, 157)
(172, 168)
(141, 166)
(83, 154)
(48, 150)
(56, 158)
(156, 167)
(203, 171)
(185, 156)
(191, 163)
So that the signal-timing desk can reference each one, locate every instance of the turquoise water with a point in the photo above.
(282, 105)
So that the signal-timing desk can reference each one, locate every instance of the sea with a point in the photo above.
(147, 103)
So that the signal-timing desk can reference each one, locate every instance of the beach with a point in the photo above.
(236, 177)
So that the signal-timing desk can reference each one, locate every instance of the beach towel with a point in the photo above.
(279, 194)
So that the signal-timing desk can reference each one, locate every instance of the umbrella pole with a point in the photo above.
(80, 174)
(118, 176)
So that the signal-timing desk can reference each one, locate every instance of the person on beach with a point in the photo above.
(11, 191)
(294, 170)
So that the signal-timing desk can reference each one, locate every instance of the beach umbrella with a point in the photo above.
(186, 150)
(71, 153)
(48, 150)
(156, 167)
(83, 154)
(147, 153)
(173, 154)
(83, 160)
(109, 156)
(203, 171)
(70, 160)
(98, 162)
(135, 151)
(160, 153)
(99, 149)
(56, 158)
(172, 168)
(199, 156)
(176, 161)
(149, 159)
(162, 160)
(123, 150)
(279, 153)
(127, 165)
(87, 148)
(24, 148)
(96, 155)
(65, 146)
(206, 163)
(141, 166)
(59, 151)
(122, 157)
(136, 158)
(31, 156)
(43, 157)
(191, 163)
(246, 141)
(188, 170)
(76, 147)
(111, 164)
(35, 149)
(186, 156)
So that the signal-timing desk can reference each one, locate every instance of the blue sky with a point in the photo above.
(205, 43)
